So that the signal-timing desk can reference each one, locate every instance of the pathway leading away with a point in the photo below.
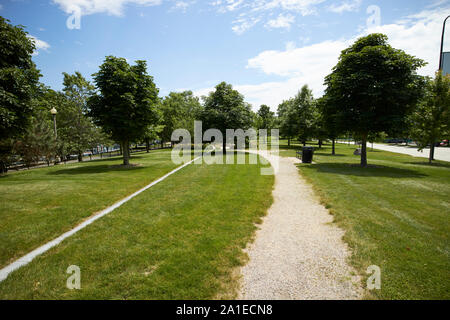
(297, 252)
(439, 153)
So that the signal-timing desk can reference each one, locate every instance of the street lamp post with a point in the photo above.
(442, 44)
(54, 112)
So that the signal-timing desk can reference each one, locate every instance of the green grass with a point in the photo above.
(181, 239)
(396, 215)
(40, 204)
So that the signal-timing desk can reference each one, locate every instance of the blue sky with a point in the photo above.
(266, 48)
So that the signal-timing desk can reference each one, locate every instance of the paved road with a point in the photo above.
(439, 153)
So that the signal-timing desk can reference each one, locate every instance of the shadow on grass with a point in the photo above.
(330, 155)
(286, 147)
(433, 165)
(356, 170)
(93, 169)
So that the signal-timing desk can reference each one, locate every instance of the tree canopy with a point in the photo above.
(126, 101)
(431, 120)
(179, 110)
(18, 83)
(266, 117)
(224, 108)
(372, 88)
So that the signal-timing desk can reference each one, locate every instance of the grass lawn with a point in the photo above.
(38, 205)
(396, 215)
(181, 239)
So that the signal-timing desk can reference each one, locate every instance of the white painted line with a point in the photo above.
(40, 250)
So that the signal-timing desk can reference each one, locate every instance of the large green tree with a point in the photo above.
(287, 119)
(326, 121)
(431, 120)
(304, 112)
(373, 87)
(18, 82)
(225, 108)
(38, 141)
(75, 128)
(179, 110)
(126, 102)
(266, 117)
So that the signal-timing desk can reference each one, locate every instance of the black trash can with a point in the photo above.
(307, 154)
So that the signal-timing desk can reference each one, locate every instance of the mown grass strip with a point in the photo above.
(181, 239)
(395, 213)
(37, 206)
(44, 248)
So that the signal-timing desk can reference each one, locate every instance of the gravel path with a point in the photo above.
(297, 253)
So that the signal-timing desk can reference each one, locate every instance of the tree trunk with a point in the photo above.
(126, 152)
(431, 156)
(333, 149)
(224, 145)
(120, 149)
(433, 148)
(162, 144)
(147, 145)
(364, 151)
(304, 143)
(80, 157)
(320, 143)
(3, 167)
(289, 141)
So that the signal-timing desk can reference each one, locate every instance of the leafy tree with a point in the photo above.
(77, 89)
(38, 141)
(18, 82)
(431, 120)
(153, 133)
(224, 109)
(126, 101)
(179, 110)
(266, 117)
(328, 123)
(76, 129)
(287, 119)
(304, 108)
(373, 87)
(318, 128)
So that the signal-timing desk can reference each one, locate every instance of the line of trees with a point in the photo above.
(373, 90)
(121, 106)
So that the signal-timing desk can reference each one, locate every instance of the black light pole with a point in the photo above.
(442, 43)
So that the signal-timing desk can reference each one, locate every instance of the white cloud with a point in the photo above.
(232, 5)
(254, 11)
(182, 5)
(349, 5)
(282, 21)
(437, 3)
(112, 7)
(40, 45)
(299, 61)
(418, 35)
(241, 25)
